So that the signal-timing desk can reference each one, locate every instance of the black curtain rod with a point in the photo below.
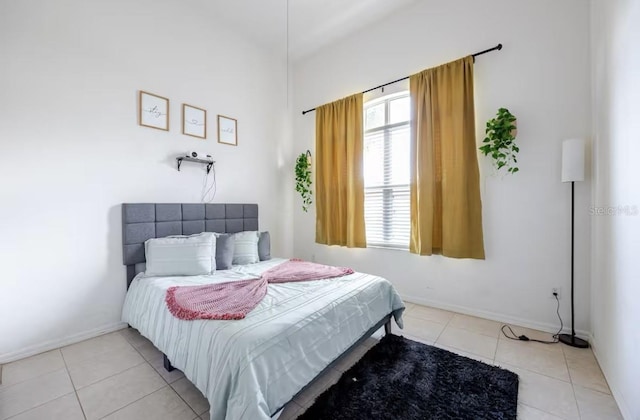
(497, 47)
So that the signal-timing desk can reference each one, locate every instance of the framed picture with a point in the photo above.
(153, 111)
(194, 121)
(227, 130)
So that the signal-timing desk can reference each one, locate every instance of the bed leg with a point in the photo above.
(167, 363)
(387, 327)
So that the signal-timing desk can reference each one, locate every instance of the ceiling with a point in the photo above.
(313, 24)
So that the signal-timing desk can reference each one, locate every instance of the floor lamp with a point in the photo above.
(572, 171)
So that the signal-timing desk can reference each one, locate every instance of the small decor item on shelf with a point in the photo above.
(303, 179)
(500, 142)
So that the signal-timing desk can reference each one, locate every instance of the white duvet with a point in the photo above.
(249, 368)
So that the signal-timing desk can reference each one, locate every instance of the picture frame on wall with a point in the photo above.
(227, 130)
(194, 121)
(153, 111)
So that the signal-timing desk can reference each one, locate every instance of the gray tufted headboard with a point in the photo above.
(142, 221)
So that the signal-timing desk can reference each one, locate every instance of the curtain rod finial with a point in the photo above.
(499, 47)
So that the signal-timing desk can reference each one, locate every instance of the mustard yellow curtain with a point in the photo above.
(446, 211)
(339, 173)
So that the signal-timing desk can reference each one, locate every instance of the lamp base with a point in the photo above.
(573, 341)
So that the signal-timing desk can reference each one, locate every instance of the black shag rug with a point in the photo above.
(401, 379)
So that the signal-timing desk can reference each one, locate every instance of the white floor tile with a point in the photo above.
(465, 354)
(552, 348)
(409, 306)
(63, 408)
(23, 396)
(594, 405)
(156, 359)
(169, 377)
(476, 325)
(134, 337)
(77, 353)
(545, 361)
(418, 339)
(469, 341)
(102, 365)
(585, 371)
(547, 394)
(163, 404)
(430, 314)
(191, 395)
(529, 413)
(417, 327)
(31, 367)
(576, 353)
(150, 352)
(118, 391)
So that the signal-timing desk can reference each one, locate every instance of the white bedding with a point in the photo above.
(249, 368)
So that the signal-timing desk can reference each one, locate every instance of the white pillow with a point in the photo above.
(245, 250)
(181, 255)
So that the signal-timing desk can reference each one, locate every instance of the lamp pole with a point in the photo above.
(571, 339)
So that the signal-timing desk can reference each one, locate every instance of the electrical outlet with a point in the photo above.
(557, 290)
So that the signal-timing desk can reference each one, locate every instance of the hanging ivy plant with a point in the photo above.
(303, 179)
(500, 142)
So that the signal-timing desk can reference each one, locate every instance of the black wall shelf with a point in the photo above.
(209, 163)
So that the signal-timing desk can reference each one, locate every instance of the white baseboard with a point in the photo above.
(494, 316)
(54, 344)
(622, 404)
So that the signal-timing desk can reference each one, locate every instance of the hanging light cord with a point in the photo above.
(209, 191)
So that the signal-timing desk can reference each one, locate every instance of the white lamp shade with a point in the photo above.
(573, 160)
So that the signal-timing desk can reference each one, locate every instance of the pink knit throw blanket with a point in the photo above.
(234, 300)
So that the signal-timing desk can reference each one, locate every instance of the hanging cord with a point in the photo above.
(209, 189)
(210, 193)
(523, 337)
(204, 186)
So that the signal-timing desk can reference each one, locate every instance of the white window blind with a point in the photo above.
(386, 171)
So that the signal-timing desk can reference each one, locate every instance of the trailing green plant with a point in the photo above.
(500, 141)
(303, 179)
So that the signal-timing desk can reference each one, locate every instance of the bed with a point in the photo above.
(249, 368)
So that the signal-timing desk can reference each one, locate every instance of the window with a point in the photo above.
(386, 171)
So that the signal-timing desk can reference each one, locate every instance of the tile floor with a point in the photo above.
(120, 375)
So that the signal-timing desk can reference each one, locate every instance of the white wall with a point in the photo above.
(71, 150)
(616, 238)
(542, 75)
